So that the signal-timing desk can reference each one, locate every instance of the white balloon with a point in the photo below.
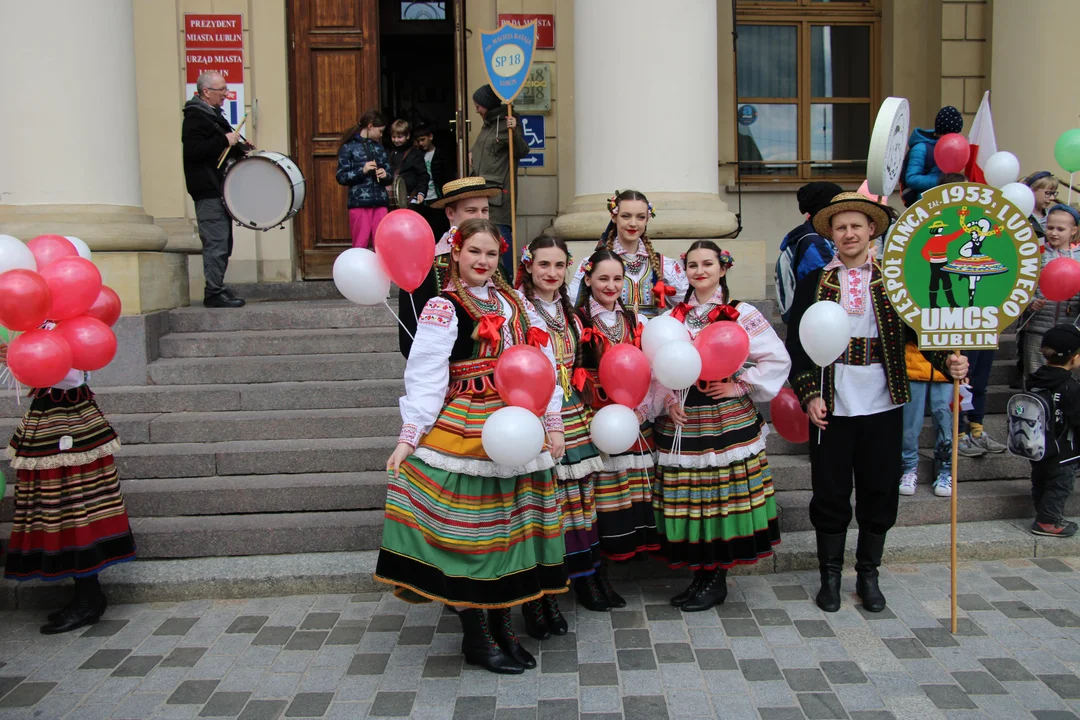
(512, 436)
(659, 332)
(14, 255)
(825, 331)
(1021, 196)
(614, 429)
(80, 245)
(677, 365)
(1001, 169)
(360, 278)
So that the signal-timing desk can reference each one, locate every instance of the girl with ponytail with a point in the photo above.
(623, 488)
(651, 282)
(714, 498)
(541, 276)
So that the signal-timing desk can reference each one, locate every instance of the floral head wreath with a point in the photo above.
(613, 204)
(586, 267)
(456, 241)
(726, 260)
(527, 256)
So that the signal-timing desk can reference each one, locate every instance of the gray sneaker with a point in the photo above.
(967, 447)
(987, 443)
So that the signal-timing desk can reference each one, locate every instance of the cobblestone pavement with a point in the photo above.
(767, 652)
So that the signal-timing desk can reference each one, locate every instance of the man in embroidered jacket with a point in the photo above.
(857, 403)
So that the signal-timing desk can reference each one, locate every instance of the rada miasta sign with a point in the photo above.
(960, 266)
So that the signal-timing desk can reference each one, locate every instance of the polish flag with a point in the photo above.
(982, 142)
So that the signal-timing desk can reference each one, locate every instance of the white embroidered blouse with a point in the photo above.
(427, 371)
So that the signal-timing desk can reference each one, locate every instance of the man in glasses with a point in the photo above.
(206, 134)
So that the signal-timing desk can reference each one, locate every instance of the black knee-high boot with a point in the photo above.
(86, 608)
(614, 599)
(590, 595)
(555, 621)
(711, 592)
(536, 620)
(502, 629)
(830, 549)
(480, 648)
(867, 560)
(686, 595)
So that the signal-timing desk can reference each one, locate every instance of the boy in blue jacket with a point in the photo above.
(920, 170)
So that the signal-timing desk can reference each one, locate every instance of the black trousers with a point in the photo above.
(865, 450)
(1051, 486)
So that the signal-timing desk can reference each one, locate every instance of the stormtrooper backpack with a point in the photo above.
(1033, 425)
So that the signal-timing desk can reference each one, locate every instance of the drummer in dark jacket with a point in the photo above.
(206, 134)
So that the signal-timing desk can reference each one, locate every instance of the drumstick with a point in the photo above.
(226, 150)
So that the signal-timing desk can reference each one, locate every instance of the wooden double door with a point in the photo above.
(334, 77)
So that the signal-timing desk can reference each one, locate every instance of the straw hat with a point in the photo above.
(848, 201)
(467, 187)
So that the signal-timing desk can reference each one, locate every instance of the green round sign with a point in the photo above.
(960, 266)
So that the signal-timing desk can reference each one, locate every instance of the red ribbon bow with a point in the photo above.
(490, 325)
(681, 311)
(639, 330)
(580, 378)
(723, 312)
(591, 334)
(537, 337)
(662, 291)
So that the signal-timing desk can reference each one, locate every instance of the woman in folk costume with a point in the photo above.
(460, 529)
(651, 282)
(70, 520)
(541, 277)
(623, 488)
(714, 500)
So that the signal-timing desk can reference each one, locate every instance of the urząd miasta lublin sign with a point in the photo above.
(960, 266)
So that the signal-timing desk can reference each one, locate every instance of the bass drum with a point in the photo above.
(263, 190)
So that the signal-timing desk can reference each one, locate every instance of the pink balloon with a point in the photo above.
(625, 375)
(75, 284)
(524, 377)
(48, 249)
(1059, 281)
(864, 190)
(39, 358)
(107, 306)
(788, 417)
(951, 153)
(93, 344)
(405, 246)
(724, 347)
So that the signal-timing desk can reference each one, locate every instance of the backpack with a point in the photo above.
(786, 266)
(1033, 428)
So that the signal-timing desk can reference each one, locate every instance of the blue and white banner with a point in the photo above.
(508, 55)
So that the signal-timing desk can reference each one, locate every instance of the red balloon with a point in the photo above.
(75, 284)
(48, 249)
(93, 343)
(39, 358)
(24, 300)
(951, 153)
(1059, 281)
(625, 375)
(525, 378)
(788, 417)
(406, 247)
(724, 347)
(107, 306)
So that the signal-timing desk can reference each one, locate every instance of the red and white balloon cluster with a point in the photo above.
(51, 278)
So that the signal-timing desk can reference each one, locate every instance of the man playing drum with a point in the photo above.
(206, 134)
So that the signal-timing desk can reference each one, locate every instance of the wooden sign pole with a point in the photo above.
(952, 499)
(513, 190)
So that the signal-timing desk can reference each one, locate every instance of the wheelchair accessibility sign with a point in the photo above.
(532, 127)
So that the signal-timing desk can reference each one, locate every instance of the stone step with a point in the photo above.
(253, 343)
(277, 368)
(223, 398)
(174, 580)
(281, 315)
(977, 501)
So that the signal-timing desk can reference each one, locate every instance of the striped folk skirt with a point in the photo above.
(462, 530)
(69, 519)
(576, 494)
(714, 502)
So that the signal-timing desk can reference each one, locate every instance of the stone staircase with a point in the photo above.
(265, 431)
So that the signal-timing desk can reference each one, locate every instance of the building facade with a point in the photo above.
(717, 109)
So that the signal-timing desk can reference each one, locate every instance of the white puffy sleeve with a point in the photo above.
(553, 418)
(771, 360)
(427, 371)
(675, 276)
(575, 284)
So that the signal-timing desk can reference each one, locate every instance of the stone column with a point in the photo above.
(645, 116)
(70, 143)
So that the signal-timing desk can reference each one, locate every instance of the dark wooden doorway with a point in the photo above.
(333, 80)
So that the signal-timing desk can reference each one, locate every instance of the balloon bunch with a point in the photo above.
(525, 379)
(625, 376)
(1060, 279)
(825, 333)
(51, 278)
